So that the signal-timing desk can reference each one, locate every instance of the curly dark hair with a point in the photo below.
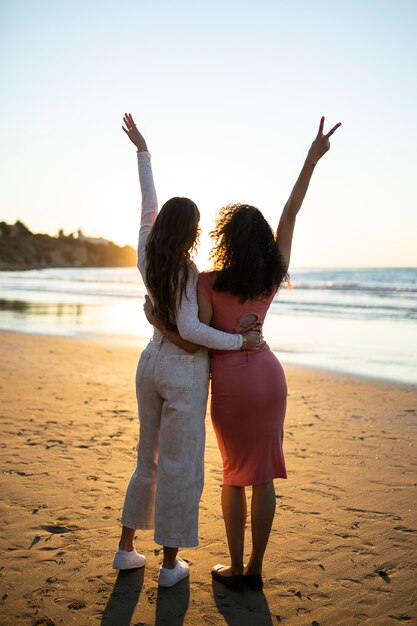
(169, 250)
(245, 254)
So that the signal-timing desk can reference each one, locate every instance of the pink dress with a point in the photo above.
(248, 394)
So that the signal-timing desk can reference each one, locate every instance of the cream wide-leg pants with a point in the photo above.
(165, 489)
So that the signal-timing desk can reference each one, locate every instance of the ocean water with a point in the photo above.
(357, 321)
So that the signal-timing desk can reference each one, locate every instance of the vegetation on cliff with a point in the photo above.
(22, 249)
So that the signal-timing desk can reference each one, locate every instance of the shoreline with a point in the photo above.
(364, 378)
(351, 321)
(342, 547)
(134, 342)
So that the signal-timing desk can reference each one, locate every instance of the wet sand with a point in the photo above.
(343, 545)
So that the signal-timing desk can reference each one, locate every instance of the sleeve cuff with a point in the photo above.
(143, 154)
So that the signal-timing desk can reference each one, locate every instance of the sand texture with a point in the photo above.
(343, 545)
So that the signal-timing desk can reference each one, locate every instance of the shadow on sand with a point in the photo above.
(124, 598)
(242, 608)
(171, 604)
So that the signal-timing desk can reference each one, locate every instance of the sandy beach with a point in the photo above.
(343, 545)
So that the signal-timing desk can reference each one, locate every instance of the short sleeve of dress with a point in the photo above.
(204, 286)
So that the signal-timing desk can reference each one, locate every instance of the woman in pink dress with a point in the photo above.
(248, 390)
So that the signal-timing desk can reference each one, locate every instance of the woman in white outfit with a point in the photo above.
(171, 382)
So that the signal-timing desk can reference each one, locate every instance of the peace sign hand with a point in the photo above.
(321, 144)
(133, 133)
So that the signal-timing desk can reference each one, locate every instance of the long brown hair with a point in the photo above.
(169, 249)
(245, 253)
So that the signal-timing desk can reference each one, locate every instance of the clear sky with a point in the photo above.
(228, 95)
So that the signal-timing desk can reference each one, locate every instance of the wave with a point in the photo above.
(374, 288)
(365, 294)
(351, 311)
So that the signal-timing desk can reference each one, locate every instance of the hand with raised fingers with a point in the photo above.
(321, 144)
(133, 133)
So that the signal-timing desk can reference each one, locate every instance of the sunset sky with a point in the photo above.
(229, 96)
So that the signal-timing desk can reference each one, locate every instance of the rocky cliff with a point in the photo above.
(21, 249)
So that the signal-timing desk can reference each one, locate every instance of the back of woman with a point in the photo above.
(231, 315)
(171, 382)
(248, 393)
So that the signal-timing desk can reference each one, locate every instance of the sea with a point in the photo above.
(353, 321)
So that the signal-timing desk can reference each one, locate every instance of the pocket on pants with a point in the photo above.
(140, 371)
(177, 372)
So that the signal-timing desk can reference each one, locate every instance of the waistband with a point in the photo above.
(167, 347)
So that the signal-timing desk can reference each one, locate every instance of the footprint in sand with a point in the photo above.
(301, 610)
(76, 605)
(59, 530)
(349, 583)
(383, 574)
(320, 492)
(307, 512)
(404, 529)
(72, 603)
(35, 540)
(369, 513)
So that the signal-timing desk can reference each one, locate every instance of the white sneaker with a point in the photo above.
(128, 560)
(170, 577)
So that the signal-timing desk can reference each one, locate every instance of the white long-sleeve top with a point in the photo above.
(188, 324)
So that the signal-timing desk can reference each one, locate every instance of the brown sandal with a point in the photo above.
(235, 581)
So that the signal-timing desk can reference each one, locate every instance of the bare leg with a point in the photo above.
(234, 513)
(170, 556)
(126, 539)
(262, 515)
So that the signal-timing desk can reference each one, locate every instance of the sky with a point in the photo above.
(228, 96)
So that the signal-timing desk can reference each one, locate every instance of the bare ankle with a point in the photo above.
(253, 568)
(170, 557)
(236, 568)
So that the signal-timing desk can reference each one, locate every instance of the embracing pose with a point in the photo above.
(248, 390)
(171, 382)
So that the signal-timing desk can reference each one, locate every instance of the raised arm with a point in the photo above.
(319, 147)
(149, 199)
